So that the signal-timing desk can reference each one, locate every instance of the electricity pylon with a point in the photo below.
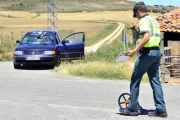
(52, 22)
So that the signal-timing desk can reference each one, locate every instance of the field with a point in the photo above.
(89, 22)
(14, 24)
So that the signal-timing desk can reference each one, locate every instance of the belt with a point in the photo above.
(151, 48)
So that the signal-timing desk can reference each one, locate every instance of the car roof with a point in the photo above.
(41, 31)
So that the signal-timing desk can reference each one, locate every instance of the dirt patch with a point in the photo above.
(122, 2)
(96, 5)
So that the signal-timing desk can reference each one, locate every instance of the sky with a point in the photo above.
(175, 3)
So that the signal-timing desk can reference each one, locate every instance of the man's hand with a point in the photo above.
(131, 53)
(140, 45)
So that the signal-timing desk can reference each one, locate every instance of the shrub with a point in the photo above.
(21, 4)
(148, 10)
(155, 11)
(162, 12)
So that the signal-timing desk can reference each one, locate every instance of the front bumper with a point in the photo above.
(46, 60)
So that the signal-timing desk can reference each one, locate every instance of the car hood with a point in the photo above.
(35, 47)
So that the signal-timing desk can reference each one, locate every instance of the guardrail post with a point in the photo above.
(124, 39)
(0, 45)
(127, 42)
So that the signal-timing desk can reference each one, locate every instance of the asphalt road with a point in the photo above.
(37, 93)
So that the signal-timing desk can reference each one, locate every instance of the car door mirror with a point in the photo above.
(18, 41)
(63, 42)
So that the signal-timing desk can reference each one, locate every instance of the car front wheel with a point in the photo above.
(17, 66)
(58, 61)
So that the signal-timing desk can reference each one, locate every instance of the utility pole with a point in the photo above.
(52, 22)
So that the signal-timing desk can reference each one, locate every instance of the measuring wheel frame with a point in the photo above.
(124, 100)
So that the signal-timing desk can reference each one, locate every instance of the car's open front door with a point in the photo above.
(72, 47)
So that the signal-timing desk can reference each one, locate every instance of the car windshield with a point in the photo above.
(39, 39)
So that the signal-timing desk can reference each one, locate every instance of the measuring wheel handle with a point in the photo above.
(124, 100)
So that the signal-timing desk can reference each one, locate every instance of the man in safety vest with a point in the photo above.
(148, 61)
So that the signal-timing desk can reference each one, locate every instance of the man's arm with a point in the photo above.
(140, 45)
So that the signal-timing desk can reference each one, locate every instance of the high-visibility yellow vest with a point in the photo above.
(150, 25)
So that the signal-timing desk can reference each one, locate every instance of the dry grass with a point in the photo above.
(97, 69)
(23, 25)
(67, 21)
(122, 16)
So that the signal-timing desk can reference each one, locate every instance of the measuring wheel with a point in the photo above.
(124, 100)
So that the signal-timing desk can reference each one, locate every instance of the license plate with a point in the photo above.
(32, 58)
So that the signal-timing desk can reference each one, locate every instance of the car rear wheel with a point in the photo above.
(17, 66)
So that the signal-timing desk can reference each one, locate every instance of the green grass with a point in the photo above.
(2, 28)
(18, 7)
(9, 16)
(92, 39)
(109, 52)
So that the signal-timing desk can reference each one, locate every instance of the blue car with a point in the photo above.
(47, 47)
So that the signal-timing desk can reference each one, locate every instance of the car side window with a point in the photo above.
(75, 38)
(59, 37)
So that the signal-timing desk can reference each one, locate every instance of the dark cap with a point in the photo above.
(139, 6)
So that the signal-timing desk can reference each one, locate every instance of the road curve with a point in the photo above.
(106, 40)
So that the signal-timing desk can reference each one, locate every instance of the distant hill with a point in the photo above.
(40, 6)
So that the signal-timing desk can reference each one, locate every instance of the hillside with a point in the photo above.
(64, 6)
(40, 6)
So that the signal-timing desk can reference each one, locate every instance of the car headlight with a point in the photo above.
(18, 52)
(49, 52)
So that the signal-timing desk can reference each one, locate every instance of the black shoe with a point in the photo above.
(157, 114)
(127, 111)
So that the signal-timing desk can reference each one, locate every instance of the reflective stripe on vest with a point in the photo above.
(155, 36)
